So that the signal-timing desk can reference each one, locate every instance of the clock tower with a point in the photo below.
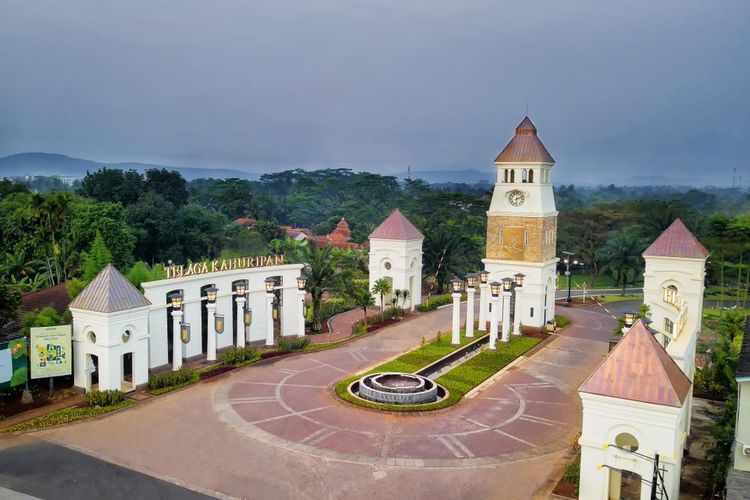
(522, 224)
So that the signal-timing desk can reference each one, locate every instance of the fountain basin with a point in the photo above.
(396, 388)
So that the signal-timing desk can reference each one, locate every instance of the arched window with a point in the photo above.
(531, 175)
(512, 175)
(627, 441)
(524, 175)
(505, 175)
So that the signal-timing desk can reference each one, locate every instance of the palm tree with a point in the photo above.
(320, 271)
(622, 254)
(404, 297)
(397, 296)
(382, 288)
(364, 299)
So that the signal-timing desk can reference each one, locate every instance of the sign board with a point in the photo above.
(13, 366)
(179, 271)
(50, 351)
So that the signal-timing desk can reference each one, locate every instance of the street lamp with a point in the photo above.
(630, 317)
(508, 284)
(495, 288)
(569, 261)
(301, 282)
(484, 276)
(456, 330)
(471, 281)
(177, 314)
(240, 288)
(456, 285)
(270, 285)
(519, 279)
(211, 293)
(517, 291)
(177, 300)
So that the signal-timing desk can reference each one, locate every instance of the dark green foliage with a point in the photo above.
(170, 380)
(96, 258)
(114, 185)
(434, 302)
(104, 398)
(572, 472)
(288, 344)
(10, 301)
(237, 356)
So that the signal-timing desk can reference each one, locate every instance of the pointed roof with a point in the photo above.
(525, 147)
(396, 227)
(109, 292)
(639, 369)
(677, 241)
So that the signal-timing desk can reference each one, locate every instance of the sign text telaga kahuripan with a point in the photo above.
(175, 271)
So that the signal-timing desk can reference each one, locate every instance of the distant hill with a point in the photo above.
(48, 164)
(451, 176)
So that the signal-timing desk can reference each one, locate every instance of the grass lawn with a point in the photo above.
(458, 381)
(713, 313)
(618, 298)
(602, 281)
(561, 321)
(66, 415)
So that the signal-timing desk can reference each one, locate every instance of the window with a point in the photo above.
(505, 175)
(531, 175)
(512, 175)
(668, 326)
(524, 175)
(125, 336)
(387, 266)
(92, 337)
(531, 312)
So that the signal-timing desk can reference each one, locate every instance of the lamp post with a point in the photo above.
(456, 333)
(517, 288)
(569, 261)
(471, 281)
(176, 327)
(240, 289)
(507, 291)
(270, 287)
(301, 282)
(484, 300)
(211, 293)
(494, 313)
(630, 317)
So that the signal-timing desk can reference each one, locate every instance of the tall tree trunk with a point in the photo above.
(739, 278)
(721, 286)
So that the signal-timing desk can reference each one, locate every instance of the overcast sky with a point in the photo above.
(640, 88)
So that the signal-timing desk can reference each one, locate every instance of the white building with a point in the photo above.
(738, 479)
(634, 408)
(396, 255)
(120, 335)
(522, 224)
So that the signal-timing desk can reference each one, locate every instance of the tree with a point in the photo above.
(96, 259)
(202, 232)
(168, 183)
(113, 185)
(269, 230)
(157, 228)
(10, 301)
(381, 287)
(622, 255)
(363, 298)
(46, 317)
(109, 219)
(320, 271)
(404, 297)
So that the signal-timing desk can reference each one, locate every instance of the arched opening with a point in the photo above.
(625, 484)
(626, 441)
(524, 175)
(505, 175)
(126, 382)
(531, 176)
(92, 369)
(170, 325)
(512, 175)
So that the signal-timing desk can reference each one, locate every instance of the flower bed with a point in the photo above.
(67, 415)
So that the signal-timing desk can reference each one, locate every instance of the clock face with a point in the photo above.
(516, 198)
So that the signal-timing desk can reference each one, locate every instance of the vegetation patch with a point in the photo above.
(289, 344)
(434, 302)
(239, 356)
(458, 381)
(66, 416)
(169, 381)
(104, 398)
(561, 321)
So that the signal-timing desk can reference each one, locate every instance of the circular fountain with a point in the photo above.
(397, 388)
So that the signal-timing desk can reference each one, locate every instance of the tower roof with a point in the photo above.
(109, 292)
(639, 369)
(396, 227)
(525, 147)
(677, 241)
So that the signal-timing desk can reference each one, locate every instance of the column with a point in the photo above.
(269, 320)
(470, 311)
(506, 316)
(240, 342)
(494, 314)
(176, 340)
(301, 317)
(484, 290)
(517, 313)
(211, 347)
(456, 333)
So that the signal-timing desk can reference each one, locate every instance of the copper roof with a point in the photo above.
(639, 369)
(109, 292)
(677, 241)
(55, 297)
(525, 147)
(396, 227)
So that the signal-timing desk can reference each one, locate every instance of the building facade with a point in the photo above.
(522, 224)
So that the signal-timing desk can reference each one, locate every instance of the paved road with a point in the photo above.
(186, 437)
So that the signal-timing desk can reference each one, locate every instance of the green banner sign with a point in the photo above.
(50, 351)
(13, 366)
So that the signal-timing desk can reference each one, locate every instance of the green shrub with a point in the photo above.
(561, 321)
(67, 415)
(237, 356)
(287, 344)
(104, 398)
(434, 302)
(572, 471)
(172, 380)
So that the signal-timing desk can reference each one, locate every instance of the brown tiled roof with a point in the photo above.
(639, 369)
(525, 147)
(243, 221)
(109, 292)
(396, 227)
(677, 241)
(55, 297)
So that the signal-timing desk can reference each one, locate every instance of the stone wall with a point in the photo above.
(534, 246)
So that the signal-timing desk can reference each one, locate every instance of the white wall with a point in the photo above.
(405, 259)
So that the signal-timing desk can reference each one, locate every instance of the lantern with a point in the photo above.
(211, 293)
(495, 288)
(471, 280)
(456, 285)
(219, 323)
(247, 316)
(507, 284)
(177, 301)
(629, 318)
(301, 282)
(185, 332)
(241, 288)
(270, 285)
(484, 276)
(519, 279)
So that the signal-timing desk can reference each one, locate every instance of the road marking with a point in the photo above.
(476, 422)
(546, 402)
(501, 400)
(357, 355)
(287, 371)
(539, 420)
(448, 445)
(514, 437)
(256, 399)
(321, 363)
(461, 446)
(284, 384)
(385, 446)
(532, 384)
(293, 414)
(560, 365)
(321, 437)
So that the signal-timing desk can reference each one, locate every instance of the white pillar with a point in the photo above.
(269, 320)
(470, 311)
(506, 316)
(456, 333)
(211, 344)
(240, 341)
(517, 313)
(484, 303)
(176, 340)
(301, 317)
(494, 314)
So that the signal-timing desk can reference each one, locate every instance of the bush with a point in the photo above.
(104, 398)
(172, 380)
(561, 321)
(434, 302)
(572, 472)
(237, 356)
(66, 416)
(286, 344)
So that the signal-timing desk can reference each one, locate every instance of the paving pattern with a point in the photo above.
(532, 409)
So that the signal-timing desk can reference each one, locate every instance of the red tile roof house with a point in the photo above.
(55, 297)
(245, 222)
(339, 237)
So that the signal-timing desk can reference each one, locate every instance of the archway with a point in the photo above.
(126, 381)
(625, 484)
(92, 369)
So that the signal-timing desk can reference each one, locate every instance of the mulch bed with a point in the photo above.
(11, 404)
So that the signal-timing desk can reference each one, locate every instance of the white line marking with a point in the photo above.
(259, 399)
(461, 446)
(321, 437)
(285, 385)
(514, 437)
(450, 447)
(321, 363)
(293, 414)
(546, 402)
(312, 436)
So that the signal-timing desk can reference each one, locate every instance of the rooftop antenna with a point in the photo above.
(408, 176)
(734, 177)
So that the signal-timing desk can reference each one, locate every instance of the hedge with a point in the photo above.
(66, 416)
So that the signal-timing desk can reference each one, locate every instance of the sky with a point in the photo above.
(616, 89)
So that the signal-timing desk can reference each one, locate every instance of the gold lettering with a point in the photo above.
(246, 262)
(213, 265)
(224, 265)
(279, 259)
(252, 262)
(204, 268)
